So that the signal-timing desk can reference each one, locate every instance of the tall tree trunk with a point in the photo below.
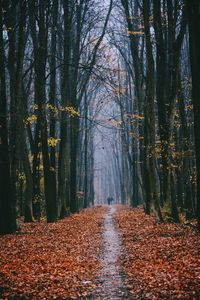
(52, 98)
(168, 46)
(49, 182)
(10, 21)
(36, 144)
(150, 113)
(63, 160)
(7, 209)
(137, 61)
(193, 8)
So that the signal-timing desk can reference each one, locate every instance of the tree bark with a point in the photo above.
(49, 180)
(193, 10)
(7, 209)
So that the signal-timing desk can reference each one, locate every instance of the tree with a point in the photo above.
(150, 123)
(7, 209)
(193, 10)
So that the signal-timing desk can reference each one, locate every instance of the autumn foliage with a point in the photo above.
(64, 260)
(161, 261)
(52, 261)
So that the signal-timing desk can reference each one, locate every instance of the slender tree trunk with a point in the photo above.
(37, 195)
(52, 99)
(28, 210)
(63, 160)
(49, 182)
(73, 167)
(150, 113)
(86, 186)
(36, 143)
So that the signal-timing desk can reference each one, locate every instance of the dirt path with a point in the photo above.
(111, 279)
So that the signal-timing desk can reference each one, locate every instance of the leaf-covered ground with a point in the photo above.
(64, 260)
(52, 261)
(162, 261)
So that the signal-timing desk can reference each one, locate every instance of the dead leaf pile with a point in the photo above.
(52, 261)
(161, 261)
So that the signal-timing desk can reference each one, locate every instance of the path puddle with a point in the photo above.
(111, 279)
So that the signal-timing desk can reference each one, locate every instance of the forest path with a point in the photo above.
(112, 282)
(101, 253)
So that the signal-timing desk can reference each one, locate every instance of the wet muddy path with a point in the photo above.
(112, 281)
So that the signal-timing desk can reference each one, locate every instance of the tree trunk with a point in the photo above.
(49, 180)
(150, 114)
(52, 99)
(36, 144)
(63, 160)
(7, 211)
(193, 8)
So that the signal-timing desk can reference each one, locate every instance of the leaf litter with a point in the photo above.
(52, 261)
(63, 260)
(161, 260)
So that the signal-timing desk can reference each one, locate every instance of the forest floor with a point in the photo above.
(101, 253)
